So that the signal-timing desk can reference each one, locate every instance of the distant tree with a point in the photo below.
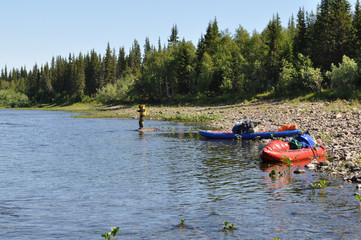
(173, 38)
(273, 41)
(300, 40)
(340, 29)
(121, 63)
(58, 79)
(79, 78)
(159, 45)
(212, 37)
(228, 63)
(147, 49)
(206, 71)
(331, 33)
(33, 83)
(45, 91)
(320, 36)
(92, 73)
(109, 67)
(134, 59)
(355, 48)
(185, 56)
(242, 39)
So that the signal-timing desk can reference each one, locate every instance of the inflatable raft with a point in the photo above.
(277, 151)
(248, 136)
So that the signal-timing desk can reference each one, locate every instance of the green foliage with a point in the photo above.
(228, 226)
(344, 76)
(10, 98)
(319, 184)
(119, 91)
(301, 77)
(223, 67)
(358, 197)
(113, 233)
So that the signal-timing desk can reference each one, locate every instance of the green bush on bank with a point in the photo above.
(119, 91)
(345, 76)
(10, 98)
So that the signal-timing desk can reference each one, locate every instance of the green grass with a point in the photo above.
(201, 118)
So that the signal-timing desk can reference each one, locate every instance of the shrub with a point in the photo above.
(116, 92)
(311, 79)
(10, 98)
(345, 75)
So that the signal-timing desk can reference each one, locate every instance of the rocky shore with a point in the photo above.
(337, 124)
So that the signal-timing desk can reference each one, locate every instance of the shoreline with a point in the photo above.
(336, 124)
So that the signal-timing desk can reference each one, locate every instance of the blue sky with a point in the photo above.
(33, 31)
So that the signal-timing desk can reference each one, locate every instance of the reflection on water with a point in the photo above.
(66, 178)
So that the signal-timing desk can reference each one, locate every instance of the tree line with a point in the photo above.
(316, 50)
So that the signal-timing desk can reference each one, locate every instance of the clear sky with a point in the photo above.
(33, 31)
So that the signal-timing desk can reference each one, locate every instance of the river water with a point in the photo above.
(76, 178)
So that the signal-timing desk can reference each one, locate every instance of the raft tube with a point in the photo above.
(278, 151)
(248, 136)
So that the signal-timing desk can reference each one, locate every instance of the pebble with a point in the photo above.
(311, 166)
(299, 171)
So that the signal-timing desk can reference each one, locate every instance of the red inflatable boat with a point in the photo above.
(277, 150)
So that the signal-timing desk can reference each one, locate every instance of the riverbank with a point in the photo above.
(337, 124)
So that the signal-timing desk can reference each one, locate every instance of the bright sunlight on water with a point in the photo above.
(76, 178)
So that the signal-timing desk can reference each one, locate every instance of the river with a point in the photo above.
(76, 178)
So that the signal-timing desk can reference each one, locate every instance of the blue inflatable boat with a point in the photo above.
(248, 136)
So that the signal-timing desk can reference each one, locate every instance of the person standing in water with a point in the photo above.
(142, 114)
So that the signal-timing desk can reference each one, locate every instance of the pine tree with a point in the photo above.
(45, 88)
(109, 67)
(331, 33)
(79, 81)
(159, 45)
(135, 59)
(147, 49)
(340, 29)
(320, 36)
(184, 68)
(33, 83)
(173, 38)
(273, 41)
(300, 40)
(355, 48)
(92, 73)
(121, 63)
(212, 37)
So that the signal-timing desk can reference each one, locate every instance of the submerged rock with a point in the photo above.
(299, 171)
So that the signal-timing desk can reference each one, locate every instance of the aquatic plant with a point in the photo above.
(319, 184)
(272, 174)
(358, 197)
(113, 232)
(228, 226)
(287, 161)
(182, 225)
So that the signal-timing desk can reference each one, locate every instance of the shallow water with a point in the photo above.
(74, 178)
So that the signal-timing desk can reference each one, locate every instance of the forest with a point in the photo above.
(317, 51)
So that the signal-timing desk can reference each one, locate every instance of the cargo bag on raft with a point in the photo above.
(306, 140)
(244, 126)
(287, 127)
(294, 144)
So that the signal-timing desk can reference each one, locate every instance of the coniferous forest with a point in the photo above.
(317, 50)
